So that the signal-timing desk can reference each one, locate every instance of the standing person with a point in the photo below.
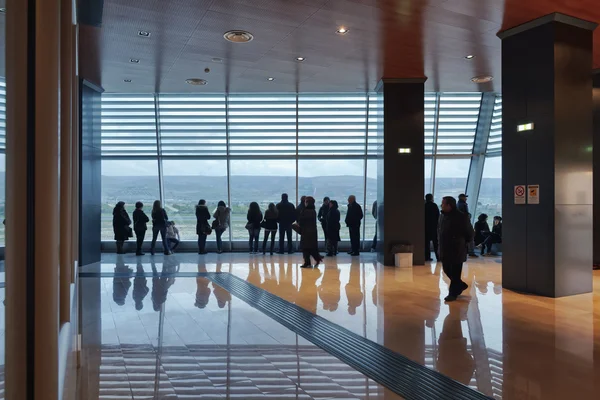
(464, 208)
(254, 218)
(159, 224)
(121, 229)
(270, 225)
(374, 213)
(322, 216)
(354, 217)
(222, 219)
(333, 228)
(307, 221)
(202, 225)
(455, 232)
(482, 231)
(287, 216)
(140, 221)
(173, 237)
(432, 216)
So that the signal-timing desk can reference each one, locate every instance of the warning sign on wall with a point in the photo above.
(520, 194)
(533, 194)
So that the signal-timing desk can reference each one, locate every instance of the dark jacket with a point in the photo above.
(202, 218)
(121, 222)
(308, 223)
(480, 228)
(463, 206)
(322, 217)
(333, 225)
(432, 216)
(271, 220)
(354, 215)
(159, 218)
(140, 219)
(497, 229)
(454, 232)
(299, 210)
(374, 209)
(254, 218)
(287, 213)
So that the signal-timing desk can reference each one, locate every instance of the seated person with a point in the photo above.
(482, 230)
(173, 237)
(493, 237)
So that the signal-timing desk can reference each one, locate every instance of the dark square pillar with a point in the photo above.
(401, 176)
(546, 80)
(596, 96)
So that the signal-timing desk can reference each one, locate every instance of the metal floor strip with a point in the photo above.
(399, 374)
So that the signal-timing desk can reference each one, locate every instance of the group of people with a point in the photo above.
(454, 238)
(283, 217)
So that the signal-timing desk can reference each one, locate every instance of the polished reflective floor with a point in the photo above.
(503, 344)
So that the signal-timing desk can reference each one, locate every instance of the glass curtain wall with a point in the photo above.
(239, 148)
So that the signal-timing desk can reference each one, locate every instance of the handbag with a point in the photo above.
(263, 224)
(297, 228)
(250, 226)
(215, 224)
(129, 231)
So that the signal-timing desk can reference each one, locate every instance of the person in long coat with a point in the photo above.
(202, 225)
(333, 228)
(121, 223)
(307, 221)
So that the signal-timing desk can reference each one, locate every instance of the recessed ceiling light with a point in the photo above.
(238, 36)
(482, 79)
(127, 80)
(143, 33)
(134, 61)
(3, 10)
(342, 30)
(196, 81)
(470, 57)
(217, 59)
(300, 59)
(270, 79)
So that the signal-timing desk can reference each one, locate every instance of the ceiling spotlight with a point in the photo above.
(342, 31)
(134, 61)
(217, 60)
(470, 57)
(300, 59)
(196, 82)
(127, 80)
(482, 79)
(143, 33)
(238, 36)
(3, 10)
(270, 79)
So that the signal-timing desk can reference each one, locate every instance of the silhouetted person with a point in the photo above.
(455, 232)
(122, 283)
(159, 225)
(140, 287)
(432, 217)
(287, 216)
(121, 228)
(222, 216)
(330, 288)
(354, 217)
(322, 216)
(454, 359)
(140, 226)
(203, 228)
(333, 228)
(495, 236)
(482, 231)
(173, 237)
(202, 289)
(307, 220)
(374, 214)
(464, 208)
(270, 225)
(254, 218)
(353, 290)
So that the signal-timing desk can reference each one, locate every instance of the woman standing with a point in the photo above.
(121, 222)
(333, 228)
(159, 224)
(221, 223)
(202, 225)
(307, 220)
(254, 218)
(270, 225)
(140, 219)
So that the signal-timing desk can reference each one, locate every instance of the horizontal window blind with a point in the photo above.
(375, 116)
(457, 122)
(495, 140)
(430, 117)
(2, 114)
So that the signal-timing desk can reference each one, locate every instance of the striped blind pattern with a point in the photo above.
(2, 114)
(430, 117)
(457, 122)
(495, 140)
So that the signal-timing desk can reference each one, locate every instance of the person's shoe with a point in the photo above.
(152, 252)
(428, 259)
(203, 252)
(329, 255)
(473, 255)
(290, 252)
(373, 250)
(306, 266)
(140, 254)
(280, 252)
(271, 253)
(450, 298)
(355, 254)
(489, 255)
(350, 252)
(168, 253)
(219, 251)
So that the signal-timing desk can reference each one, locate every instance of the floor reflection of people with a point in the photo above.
(330, 288)
(286, 288)
(121, 284)
(374, 292)
(307, 294)
(270, 282)
(254, 274)
(353, 290)
(160, 285)
(454, 359)
(140, 287)
(202, 289)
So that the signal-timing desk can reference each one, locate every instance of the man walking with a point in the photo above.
(454, 232)
(354, 217)
(286, 217)
(432, 216)
(464, 208)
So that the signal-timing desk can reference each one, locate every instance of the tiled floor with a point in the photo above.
(504, 344)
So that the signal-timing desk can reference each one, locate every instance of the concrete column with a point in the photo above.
(401, 176)
(546, 81)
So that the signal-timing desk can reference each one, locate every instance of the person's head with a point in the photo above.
(351, 199)
(272, 207)
(139, 205)
(120, 204)
(462, 197)
(222, 204)
(202, 202)
(334, 204)
(309, 202)
(284, 197)
(482, 218)
(326, 201)
(156, 206)
(428, 197)
(497, 220)
(254, 206)
(448, 204)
